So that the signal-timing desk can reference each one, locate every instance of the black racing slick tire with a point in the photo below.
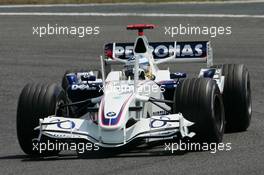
(37, 101)
(236, 96)
(200, 101)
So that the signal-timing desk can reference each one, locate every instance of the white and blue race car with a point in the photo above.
(113, 108)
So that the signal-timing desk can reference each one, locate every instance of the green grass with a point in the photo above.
(85, 1)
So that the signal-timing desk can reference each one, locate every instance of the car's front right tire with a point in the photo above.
(37, 101)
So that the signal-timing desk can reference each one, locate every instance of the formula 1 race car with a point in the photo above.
(140, 103)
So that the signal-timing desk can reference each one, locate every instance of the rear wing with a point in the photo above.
(163, 52)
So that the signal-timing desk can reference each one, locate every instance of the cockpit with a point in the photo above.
(144, 70)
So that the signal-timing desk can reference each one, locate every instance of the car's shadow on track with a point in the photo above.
(142, 151)
(145, 151)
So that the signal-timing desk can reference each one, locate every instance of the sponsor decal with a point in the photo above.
(160, 122)
(65, 124)
(111, 114)
(82, 87)
(193, 49)
(160, 113)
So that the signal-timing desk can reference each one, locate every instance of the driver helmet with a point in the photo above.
(144, 68)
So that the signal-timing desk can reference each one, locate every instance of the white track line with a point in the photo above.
(133, 14)
(132, 3)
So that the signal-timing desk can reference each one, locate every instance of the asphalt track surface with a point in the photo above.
(26, 58)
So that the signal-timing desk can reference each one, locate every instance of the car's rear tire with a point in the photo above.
(200, 101)
(236, 97)
(37, 101)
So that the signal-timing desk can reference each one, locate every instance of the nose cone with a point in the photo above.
(113, 110)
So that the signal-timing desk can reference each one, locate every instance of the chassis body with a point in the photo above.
(122, 110)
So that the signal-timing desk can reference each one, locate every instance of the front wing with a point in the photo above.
(153, 129)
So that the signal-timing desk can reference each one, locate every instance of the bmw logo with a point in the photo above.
(111, 114)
